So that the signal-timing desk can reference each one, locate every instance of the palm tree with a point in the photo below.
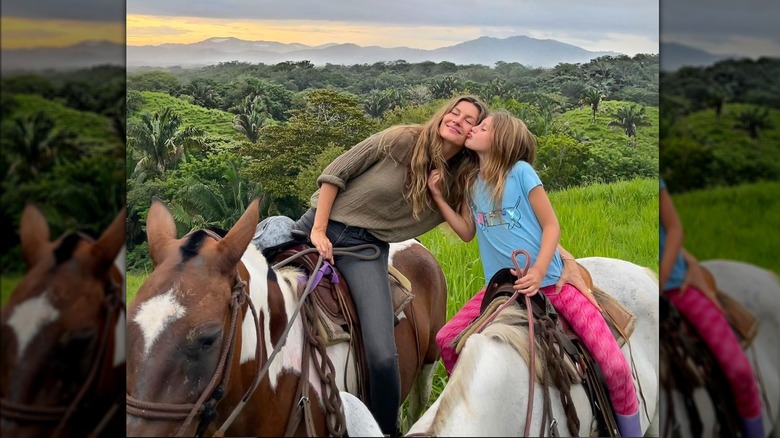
(160, 141)
(251, 118)
(629, 118)
(445, 87)
(592, 98)
(753, 120)
(34, 145)
(717, 99)
(419, 94)
(376, 103)
(203, 93)
(204, 203)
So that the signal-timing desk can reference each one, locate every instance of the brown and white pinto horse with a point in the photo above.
(63, 333)
(179, 334)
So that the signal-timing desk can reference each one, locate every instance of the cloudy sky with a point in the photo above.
(629, 26)
(59, 23)
(724, 27)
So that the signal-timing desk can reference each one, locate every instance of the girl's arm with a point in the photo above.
(674, 235)
(551, 233)
(462, 223)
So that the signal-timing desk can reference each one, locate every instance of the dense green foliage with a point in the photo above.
(720, 125)
(63, 148)
(278, 126)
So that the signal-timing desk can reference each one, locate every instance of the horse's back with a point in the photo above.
(636, 287)
(759, 290)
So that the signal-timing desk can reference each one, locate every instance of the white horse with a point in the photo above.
(759, 290)
(487, 392)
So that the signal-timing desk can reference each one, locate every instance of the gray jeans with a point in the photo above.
(370, 289)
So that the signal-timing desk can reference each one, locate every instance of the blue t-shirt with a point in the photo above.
(679, 268)
(514, 226)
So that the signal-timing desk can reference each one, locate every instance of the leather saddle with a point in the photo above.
(337, 319)
(619, 319)
(743, 322)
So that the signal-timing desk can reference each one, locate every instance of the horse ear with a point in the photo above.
(160, 229)
(111, 241)
(234, 244)
(34, 235)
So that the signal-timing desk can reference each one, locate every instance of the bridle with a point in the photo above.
(21, 412)
(205, 406)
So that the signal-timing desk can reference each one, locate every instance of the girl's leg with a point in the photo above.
(454, 326)
(714, 329)
(586, 320)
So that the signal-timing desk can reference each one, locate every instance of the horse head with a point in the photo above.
(62, 358)
(184, 323)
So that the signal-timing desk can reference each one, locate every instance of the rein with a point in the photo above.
(531, 366)
(216, 388)
(62, 414)
(206, 403)
(325, 369)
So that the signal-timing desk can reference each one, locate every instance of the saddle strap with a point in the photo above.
(599, 397)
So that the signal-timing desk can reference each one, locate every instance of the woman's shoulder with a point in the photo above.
(401, 134)
(399, 140)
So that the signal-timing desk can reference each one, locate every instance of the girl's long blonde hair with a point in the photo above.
(510, 142)
(428, 155)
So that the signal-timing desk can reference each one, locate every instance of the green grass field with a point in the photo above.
(739, 223)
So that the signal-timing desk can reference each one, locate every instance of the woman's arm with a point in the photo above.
(462, 223)
(318, 236)
(674, 235)
(551, 233)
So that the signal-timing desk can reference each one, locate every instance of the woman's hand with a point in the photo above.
(434, 180)
(322, 243)
(530, 283)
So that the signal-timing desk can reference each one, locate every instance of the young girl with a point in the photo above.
(697, 303)
(508, 209)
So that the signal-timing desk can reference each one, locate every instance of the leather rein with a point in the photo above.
(205, 406)
(22, 412)
(531, 366)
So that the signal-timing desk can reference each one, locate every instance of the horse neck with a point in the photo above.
(275, 303)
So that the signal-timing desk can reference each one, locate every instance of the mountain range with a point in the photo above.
(485, 50)
(81, 55)
(675, 56)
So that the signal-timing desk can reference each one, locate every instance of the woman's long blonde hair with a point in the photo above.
(510, 142)
(428, 155)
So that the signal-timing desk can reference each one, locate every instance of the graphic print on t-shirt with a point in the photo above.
(506, 216)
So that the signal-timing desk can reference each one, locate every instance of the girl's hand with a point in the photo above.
(530, 283)
(434, 180)
(322, 243)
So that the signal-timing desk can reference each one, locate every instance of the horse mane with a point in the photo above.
(191, 248)
(64, 251)
(511, 327)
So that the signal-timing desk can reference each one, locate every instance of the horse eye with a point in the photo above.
(77, 340)
(208, 342)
